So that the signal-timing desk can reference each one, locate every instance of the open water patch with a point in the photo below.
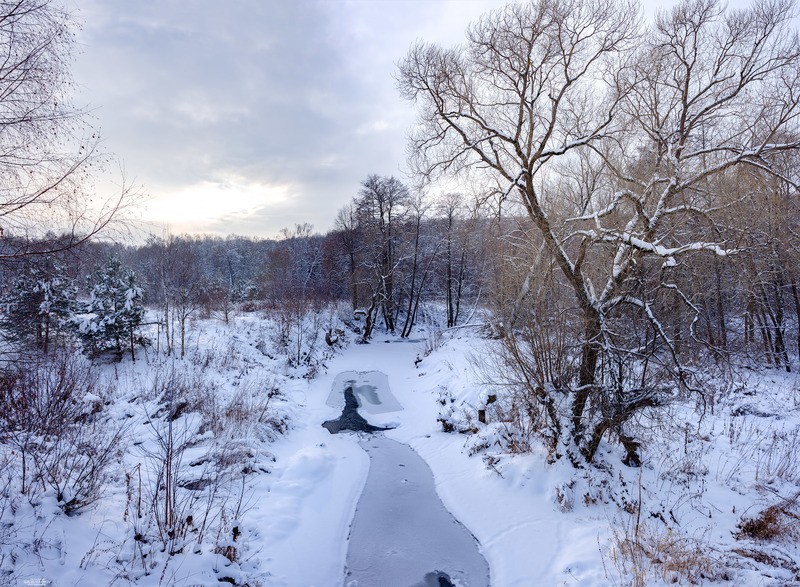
(370, 388)
(350, 418)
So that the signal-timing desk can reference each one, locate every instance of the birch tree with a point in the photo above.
(47, 149)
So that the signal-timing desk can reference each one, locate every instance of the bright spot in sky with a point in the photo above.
(198, 207)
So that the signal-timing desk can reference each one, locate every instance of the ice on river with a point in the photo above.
(401, 533)
(371, 389)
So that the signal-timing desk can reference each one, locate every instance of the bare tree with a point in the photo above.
(766, 270)
(516, 99)
(421, 261)
(300, 250)
(710, 91)
(618, 181)
(380, 208)
(187, 282)
(346, 226)
(457, 235)
(47, 150)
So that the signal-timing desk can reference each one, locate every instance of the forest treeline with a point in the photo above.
(391, 258)
(395, 258)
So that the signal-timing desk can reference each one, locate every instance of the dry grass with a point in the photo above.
(777, 522)
(779, 461)
(645, 552)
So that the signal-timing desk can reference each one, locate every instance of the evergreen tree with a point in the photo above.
(114, 312)
(39, 305)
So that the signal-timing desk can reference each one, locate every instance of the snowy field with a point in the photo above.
(279, 493)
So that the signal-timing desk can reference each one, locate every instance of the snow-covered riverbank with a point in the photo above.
(243, 414)
(541, 523)
(316, 483)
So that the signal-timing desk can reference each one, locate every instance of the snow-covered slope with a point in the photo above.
(287, 489)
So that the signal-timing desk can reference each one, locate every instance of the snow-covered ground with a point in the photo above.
(523, 535)
(536, 523)
(547, 524)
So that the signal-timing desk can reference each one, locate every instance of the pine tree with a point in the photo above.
(114, 312)
(39, 305)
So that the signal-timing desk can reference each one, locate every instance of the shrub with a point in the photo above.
(52, 416)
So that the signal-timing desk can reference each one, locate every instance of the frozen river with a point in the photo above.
(401, 532)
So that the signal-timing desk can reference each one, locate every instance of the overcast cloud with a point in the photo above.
(248, 116)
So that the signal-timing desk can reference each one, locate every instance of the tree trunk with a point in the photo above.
(677, 329)
(748, 328)
(183, 335)
(407, 324)
(723, 334)
(369, 319)
(766, 335)
(780, 343)
(24, 454)
(353, 282)
(460, 284)
(449, 269)
(590, 353)
(46, 334)
(167, 343)
(796, 297)
(388, 304)
(712, 342)
(133, 354)
(775, 325)
(172, 333)
(419, 292)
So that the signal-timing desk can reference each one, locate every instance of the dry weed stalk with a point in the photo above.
(776, 522)
(647, 550)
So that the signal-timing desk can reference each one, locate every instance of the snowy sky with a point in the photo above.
(250, 115)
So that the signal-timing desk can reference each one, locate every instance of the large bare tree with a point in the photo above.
(609, 139)
(710, 91)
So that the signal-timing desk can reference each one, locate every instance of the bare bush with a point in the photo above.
(299, 324)
(534, 359)
(52, 416)
(179, 389)
(173, 509)
(8, 537)
(221, 359)
(74, 464)
(187, 495)
(777, 459)
(434, 339)
(249, 413)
